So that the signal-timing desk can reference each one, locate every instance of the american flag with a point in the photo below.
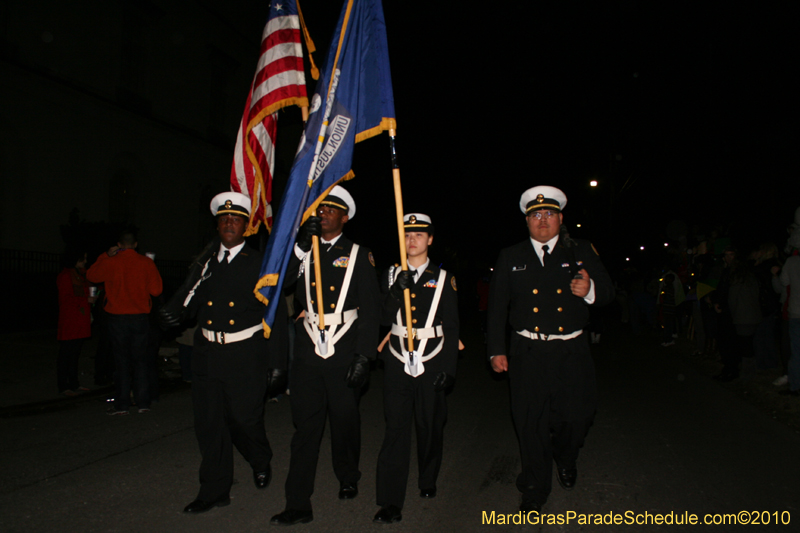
(359, 105)
(279, 82)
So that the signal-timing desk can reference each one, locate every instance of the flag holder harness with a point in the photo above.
(414, 365)
(325, 341)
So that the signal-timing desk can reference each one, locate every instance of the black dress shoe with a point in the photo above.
(201, 506)
(262, 479)
(427, 493)
(291, 517)
(529, 505)
(567, 477)
(388, 515)
(348, 491)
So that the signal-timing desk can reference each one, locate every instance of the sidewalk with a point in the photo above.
(28, 375)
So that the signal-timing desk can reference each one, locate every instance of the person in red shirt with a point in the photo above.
(131, 280)
(74, 321)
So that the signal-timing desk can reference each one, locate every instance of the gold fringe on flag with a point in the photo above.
(309, 43)
(385, 125)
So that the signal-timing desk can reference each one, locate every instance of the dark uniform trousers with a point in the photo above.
(553, 401)
(229, 380)
(408, 400)
(319, 392)
(228, 388)
(319, 387)
(553, 389)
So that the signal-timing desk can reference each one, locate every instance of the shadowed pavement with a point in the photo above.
(666, 439)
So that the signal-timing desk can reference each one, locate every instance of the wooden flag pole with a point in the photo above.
(315, 244)
(401, 233)
(318, 276)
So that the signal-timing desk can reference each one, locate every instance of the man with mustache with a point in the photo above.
(543, 287)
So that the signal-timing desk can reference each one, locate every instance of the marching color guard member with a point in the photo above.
(330, 367)
(415, 383)
(233, 365)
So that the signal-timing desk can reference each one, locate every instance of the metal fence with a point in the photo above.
(29, 262)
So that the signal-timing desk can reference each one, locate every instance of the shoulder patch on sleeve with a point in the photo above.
(453, 283)
(593, 248)
(371, 259)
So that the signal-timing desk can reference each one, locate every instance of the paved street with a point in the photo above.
(666, 439)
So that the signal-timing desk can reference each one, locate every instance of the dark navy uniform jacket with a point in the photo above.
(538, 298)
(225, 301)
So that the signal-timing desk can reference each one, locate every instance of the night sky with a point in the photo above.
(681, 112)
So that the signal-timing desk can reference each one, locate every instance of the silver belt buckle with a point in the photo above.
(221, 337)
(543, 336)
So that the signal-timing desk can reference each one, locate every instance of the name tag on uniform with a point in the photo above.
(518, 268)
(342, 262)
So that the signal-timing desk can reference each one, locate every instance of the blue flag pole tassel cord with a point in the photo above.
(401, 233)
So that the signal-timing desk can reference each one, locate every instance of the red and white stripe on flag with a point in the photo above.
(279, 82)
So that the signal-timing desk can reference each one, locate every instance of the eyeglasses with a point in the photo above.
(543, 214)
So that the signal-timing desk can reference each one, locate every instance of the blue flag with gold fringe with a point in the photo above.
(353, 102)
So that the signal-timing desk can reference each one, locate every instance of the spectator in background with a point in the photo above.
(764, 341)
(670, 296)
(706, 282)
(743, 301)
(790, 277)
(74, 320)
(131, 281)
(103, 356)
(726, 331)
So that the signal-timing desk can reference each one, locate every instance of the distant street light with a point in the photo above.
(593, 183)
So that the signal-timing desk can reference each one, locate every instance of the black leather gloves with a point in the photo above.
(170, 317)
(358, 373)
(443, 381)
(311, 227)
(405, 280)
(276, 382)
